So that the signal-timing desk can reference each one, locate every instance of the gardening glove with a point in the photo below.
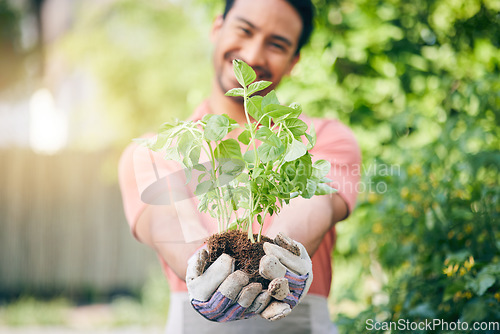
(289, 268)
(218, 293)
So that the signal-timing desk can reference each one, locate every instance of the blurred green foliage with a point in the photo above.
(151, 62)
(11, 55)
(419, 83)
(148, 309)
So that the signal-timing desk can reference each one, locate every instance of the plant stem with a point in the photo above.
(262, 225)
(220, 212)
(252, 129)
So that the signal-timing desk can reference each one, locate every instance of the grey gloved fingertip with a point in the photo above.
(287, 243)
(279, 288)
(270, 267)
(276, 310)
(233, 284)
(249, 293)
(260, 302)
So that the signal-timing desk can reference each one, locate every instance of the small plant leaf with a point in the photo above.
(228, 149)
(171, 153)
(295, 150)
(258, 86)
(270, 98)
(244, 137)
(204, 187)
(280, 113)
(324, 189)
(311, 137)
(235, 92)
(265, 135)
(249, 156)
(296, 126)
(254, 109)
(243, 72)
(269, 152)
(217, 128)
(321, 168)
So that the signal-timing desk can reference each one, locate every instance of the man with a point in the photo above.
(267, 35)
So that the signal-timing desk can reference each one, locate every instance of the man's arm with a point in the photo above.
(143, 173)
(308, 220)
(159, 228)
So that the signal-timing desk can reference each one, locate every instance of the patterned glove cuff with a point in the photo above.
(297, 284)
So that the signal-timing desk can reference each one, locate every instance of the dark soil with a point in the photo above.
(236, 244)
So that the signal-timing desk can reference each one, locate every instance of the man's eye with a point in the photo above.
(245, 30)
(278, 46)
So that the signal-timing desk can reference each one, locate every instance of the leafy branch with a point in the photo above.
(239, 187)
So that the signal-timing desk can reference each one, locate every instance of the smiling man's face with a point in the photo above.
(262, 33)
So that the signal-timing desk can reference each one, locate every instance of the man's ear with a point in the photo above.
(216, 26)
(294, 61)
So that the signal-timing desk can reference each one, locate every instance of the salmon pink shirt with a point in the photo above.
(143, 172)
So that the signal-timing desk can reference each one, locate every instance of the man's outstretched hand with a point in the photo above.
(289, 268)
(221, 294)
(218, 293)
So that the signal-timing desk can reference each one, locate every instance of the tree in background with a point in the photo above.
(149, 59)
(419, 82)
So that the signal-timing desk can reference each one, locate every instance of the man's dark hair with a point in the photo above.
(305, 8)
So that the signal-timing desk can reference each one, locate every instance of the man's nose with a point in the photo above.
(254, 53)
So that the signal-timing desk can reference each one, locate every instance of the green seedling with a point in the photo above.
(252, 176)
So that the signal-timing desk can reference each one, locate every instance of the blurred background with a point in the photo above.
(418, 81)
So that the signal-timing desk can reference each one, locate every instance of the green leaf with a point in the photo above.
(203, 187)
(200, 167)
(484, 282)
(296, 106)
(280, 113)
(296, 126)
(201, 177)
(254, 108)
(249, 156)
(216, 128)
(243, 72)
(321, 168)
(474, 310)
(244, 137)
(203, 204)
(311, 137)
(194, 153)
(166, 128)
(233, 225)
(270, 98)
(295, 150)
(206, 118)
(235, 92)
(185, 143)
(324, 189)
(232, 166)
(172, 153)
(258, 86)
(256, 172)
(228, 149)
(269, 152)
(310, 190)
(161, 140)
(265, 135)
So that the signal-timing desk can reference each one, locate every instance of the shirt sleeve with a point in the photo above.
(336, 143)
(147, 179)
